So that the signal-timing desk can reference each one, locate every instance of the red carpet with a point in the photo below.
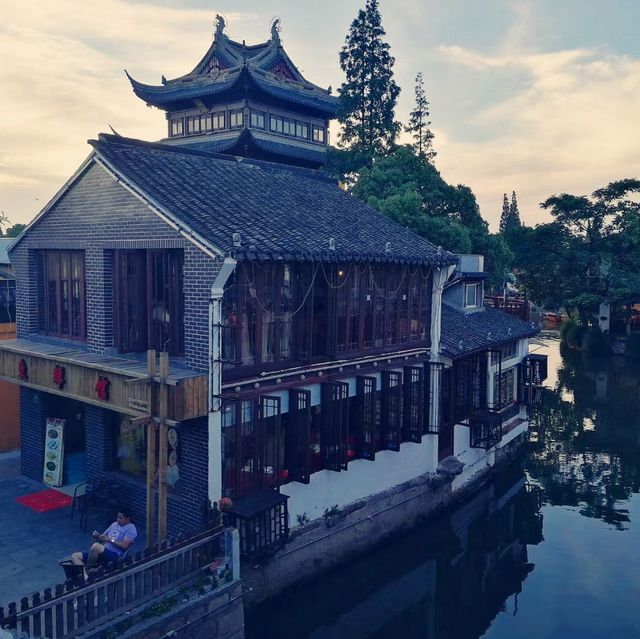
(45, 500)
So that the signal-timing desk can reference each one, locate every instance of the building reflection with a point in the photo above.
(448, 578)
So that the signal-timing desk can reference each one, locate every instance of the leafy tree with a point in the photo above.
(514, 213)
(510, 217)
(411, 191)
(419, 123)
(369, 94)
(589, 254)
(15, 230)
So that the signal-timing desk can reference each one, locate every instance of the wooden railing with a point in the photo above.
(69, 610)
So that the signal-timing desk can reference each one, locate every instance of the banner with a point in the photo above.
(53, 452)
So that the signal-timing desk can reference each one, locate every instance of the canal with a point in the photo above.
(550, 549)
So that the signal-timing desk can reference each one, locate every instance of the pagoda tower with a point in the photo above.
(248, 101)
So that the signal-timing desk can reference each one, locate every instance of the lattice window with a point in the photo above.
(391, 407)
(365, 418)
(413, 410)
(298, 436)
(335, 424)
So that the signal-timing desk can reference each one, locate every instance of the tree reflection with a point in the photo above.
(585, 438)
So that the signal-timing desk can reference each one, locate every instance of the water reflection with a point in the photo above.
(585, 439)
(485, 569)
(447, 578)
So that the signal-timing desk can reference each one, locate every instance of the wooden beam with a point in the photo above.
(151, 451)
(163, 443)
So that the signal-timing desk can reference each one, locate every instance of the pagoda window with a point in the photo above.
(236, 119)
(318, 134)
(302, 130)
(207, 123)
(177, 126)
(288, 127)
(64, 304)
(257, 119)
(218, 121)
(275, 124)
(193, 124)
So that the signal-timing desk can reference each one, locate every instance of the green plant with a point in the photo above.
(331, 512)
(596, 342)
(302, 519)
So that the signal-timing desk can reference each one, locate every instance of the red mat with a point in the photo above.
(45, 500)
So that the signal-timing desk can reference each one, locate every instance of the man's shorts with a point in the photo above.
(108, 556)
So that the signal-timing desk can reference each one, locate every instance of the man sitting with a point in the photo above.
(111, 545)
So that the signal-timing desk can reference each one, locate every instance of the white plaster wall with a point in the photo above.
(329, 488)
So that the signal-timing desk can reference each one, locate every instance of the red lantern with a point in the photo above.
(102, 388)
(23, 371)
(59, 376)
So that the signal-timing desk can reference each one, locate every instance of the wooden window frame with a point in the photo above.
(48, 302)
(391, 410)
(335, 424)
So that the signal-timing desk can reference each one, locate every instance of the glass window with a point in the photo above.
(257, 119)
(302, 130)
(218, 121)
(207, 122)
(64, 294)
(130, 447)
(177, 126)
(287, 127)
(504, 388)
(472, 295)
(236, 119)
(318, 134)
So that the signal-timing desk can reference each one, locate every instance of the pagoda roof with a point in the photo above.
(281, 212)
(228, 65)
(265, 146)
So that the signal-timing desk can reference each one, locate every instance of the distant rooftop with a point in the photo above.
(4, 255)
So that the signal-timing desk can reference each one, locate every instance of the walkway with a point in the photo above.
(31, 543)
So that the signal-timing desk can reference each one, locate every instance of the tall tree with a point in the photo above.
(419, 123)
(514, 213)
(369, 94)
(504, 217)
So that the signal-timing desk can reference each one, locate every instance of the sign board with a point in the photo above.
(53, 452)
(139, 404)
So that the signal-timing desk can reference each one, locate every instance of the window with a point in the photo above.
(148, 304)
(509, 349)
(302, 130)
(504, 388)
(236, 119)
(193, 124)
(207, 122)
(257, 119)
(218, 121)
(318, 134)
(472, 295)
(177, 127)
(64, 305)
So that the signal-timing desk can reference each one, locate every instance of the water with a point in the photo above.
(550, 550)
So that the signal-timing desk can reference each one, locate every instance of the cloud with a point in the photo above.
(571, 127)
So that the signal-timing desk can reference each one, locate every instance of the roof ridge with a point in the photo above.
(189, 150)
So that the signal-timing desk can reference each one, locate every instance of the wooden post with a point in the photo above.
(151, 447)
(162, 452)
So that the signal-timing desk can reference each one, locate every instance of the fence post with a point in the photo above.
(235, 552)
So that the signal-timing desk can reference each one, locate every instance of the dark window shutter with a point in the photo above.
(298, 436)
(413, 410)
(365, 418)
(335, 424)
(391, 408)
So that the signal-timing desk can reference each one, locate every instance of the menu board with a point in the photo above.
(53, 452)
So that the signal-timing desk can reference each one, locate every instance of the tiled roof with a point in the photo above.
(463, 334)
(193, 87)
(281, 212)
(4, 244)
(235, 146)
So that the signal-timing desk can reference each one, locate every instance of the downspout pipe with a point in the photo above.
(214, 473)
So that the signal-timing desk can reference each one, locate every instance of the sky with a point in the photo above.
(540, 96)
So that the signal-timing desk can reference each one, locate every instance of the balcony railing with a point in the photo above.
(70, 610)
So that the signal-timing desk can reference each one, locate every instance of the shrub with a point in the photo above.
(565, 327)
(596, 342)
(632, 348)
(575, 334)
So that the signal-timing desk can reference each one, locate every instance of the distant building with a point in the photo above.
(319, 355)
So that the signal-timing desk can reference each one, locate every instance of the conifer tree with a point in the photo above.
(369, 94)
(514, 213)
(419, 123)
(504, 217)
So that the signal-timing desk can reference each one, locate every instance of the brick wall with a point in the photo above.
(98, 215)
(32, 431)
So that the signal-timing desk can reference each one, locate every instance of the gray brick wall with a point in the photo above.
(97, 214)
(32, 431)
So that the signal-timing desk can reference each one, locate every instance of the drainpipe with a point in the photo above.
(215, 379)
(440, 277)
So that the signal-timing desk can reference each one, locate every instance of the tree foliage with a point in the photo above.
(411, 191)
(588, 254)
(369, 93)
(510, 217)
(419, 123)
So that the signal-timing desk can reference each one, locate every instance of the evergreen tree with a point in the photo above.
(504, 217)
(514, 213)
(369, 94)
(419, 123)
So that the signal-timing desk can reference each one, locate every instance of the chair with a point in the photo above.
(104, 495)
